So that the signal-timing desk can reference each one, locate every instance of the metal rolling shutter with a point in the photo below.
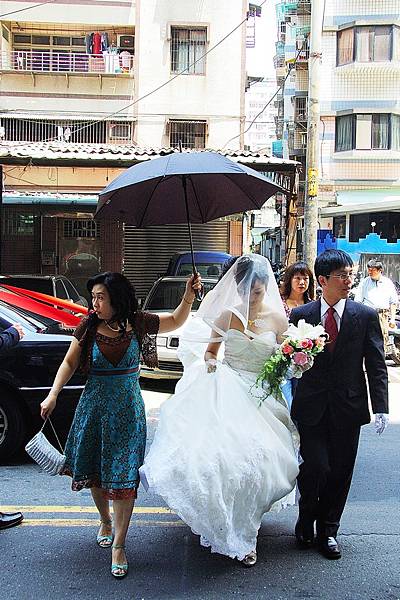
(147, 251)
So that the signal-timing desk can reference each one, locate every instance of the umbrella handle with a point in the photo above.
(199, 293)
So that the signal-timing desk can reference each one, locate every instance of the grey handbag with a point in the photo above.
(42, 452)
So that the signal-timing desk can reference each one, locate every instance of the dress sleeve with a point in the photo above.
(151, 323)
(81, 329)
(147, 326)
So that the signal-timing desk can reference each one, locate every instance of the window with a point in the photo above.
(81, 228)
(15, 225)
(368, 44)
(82, 132)
(188, 46)
(61, 292)
(367, 132)
(120, 132)
(339, 226)
(191, 134)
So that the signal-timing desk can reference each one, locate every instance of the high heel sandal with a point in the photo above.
(105, 541)
(117, 568)
(250, 559)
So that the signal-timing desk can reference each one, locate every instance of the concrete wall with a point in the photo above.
(217, 96)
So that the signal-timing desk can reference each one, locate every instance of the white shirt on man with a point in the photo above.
(338, 314)
(377, 293)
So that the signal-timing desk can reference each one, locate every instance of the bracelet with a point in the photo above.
(187, 301)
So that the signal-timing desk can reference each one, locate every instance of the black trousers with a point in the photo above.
(329, 451)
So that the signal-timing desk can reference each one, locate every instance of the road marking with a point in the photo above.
(94, 523)
(150, 510)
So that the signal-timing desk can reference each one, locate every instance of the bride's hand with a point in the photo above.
(211, 365)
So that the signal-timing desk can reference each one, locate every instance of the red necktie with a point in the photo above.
(331, 328)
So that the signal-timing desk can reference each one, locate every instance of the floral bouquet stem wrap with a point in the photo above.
(293, 357)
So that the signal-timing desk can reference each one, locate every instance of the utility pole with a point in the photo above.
(312, 161)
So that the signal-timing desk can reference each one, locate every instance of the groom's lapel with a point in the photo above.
(314, 317)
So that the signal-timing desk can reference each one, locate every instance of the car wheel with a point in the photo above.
(12, 426)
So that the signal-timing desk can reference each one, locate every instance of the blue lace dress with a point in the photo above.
(106, 443)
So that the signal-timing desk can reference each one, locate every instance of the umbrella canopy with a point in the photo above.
(184, 187)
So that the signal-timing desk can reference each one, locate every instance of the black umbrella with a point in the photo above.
(184, 187)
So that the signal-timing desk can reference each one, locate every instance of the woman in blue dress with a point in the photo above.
(106, 443)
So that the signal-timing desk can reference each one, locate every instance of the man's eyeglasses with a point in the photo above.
(343, 276)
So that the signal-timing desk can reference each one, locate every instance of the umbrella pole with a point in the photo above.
(199, 293)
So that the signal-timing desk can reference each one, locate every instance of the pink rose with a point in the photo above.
(300, 358)
(320, 342)
(304, 344)
(287, 349)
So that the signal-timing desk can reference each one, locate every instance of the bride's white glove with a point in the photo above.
(381, 422)
(211, 365)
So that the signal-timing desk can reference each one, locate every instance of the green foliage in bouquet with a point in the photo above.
(273, 373)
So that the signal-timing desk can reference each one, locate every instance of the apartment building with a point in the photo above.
(92, 87)
(359, 137)
(360, 121)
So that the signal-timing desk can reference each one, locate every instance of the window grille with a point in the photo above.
(121, 132)
(81, 228)
(191, 134)
(187, 46)
(81, 132)
(17, 224)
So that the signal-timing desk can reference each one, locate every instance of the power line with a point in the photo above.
(26, 8)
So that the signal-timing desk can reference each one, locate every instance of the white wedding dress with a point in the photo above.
(220, 460)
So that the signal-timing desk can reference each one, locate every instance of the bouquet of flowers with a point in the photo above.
(294, 356)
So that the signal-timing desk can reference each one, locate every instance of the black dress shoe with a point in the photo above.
(329, 547)
(10, 519)
(304, 532)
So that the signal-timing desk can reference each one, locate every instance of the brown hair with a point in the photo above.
(302, 269)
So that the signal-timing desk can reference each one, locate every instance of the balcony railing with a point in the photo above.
(66, 62)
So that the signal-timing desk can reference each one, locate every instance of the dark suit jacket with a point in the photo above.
(337, 381)
(8, 338)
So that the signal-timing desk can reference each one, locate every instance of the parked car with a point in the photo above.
(27, 373)
(53, 285)
(209, 264)
(164, 296)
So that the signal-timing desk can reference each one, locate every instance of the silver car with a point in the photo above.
(165, 296)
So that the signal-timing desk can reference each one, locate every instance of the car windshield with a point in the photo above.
(168, 295)
(10, 315)
(205, 269)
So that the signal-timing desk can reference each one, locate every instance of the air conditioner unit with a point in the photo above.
(126, 42)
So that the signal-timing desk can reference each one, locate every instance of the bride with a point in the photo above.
(222, 457)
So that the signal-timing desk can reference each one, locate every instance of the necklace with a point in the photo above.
(257, 322)
(113, 328)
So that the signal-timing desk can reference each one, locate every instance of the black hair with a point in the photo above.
(122, 296)
(331, 260)
(246, 265)
(290, 272)
(227, 265)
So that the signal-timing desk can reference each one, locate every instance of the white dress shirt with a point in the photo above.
(338, 314)
(376, 293)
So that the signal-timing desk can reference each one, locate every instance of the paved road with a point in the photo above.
(53, 555)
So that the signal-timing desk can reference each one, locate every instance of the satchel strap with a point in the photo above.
(54, 431)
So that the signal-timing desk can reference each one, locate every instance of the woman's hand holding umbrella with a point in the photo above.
(193, 284)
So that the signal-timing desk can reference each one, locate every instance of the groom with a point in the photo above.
(331, 400)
